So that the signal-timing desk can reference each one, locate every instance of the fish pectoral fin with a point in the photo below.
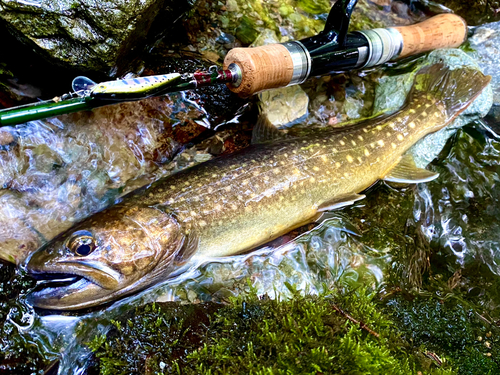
(407, 172)
(187, 250)
(264, 131)
(341, 201)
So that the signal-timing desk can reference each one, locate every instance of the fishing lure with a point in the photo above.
(126, 89)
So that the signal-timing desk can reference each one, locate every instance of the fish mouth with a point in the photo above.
(61, 292)
(80, 285)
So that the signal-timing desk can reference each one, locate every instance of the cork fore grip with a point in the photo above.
(262, 68)
(441, 31)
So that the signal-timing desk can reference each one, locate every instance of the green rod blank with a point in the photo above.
(32, 112)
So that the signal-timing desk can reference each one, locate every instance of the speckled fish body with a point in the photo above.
(237, 202)
(233, 203)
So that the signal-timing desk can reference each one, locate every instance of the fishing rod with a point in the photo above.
(247, 71)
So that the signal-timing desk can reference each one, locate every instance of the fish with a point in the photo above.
(234, 203)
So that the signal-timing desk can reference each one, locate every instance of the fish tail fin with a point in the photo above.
(454, 89)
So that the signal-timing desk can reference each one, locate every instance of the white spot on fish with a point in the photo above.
(412, 124)
(349, 158)
(367, 153)
(401, 137)
(380, 142)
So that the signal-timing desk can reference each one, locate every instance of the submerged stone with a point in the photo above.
(393, 90)
(485, 44)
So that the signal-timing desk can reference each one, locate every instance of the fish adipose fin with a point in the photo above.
(406, 172)
(264, 131)
(454, 89)
(342, 201)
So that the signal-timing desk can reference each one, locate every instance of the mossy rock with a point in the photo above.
(303, 335)
(475, 12)
(314, 6)
(88, 35)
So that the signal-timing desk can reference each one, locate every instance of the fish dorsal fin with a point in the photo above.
(406, 172)
(342, 201)
(264, 131)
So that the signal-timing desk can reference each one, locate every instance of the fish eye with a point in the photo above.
(81, 243)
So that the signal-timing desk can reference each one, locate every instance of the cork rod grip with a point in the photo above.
(441, 31)
(262, 68)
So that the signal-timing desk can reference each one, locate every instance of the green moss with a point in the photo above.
(448, 328)
(304, 335)
(4, 71)
(314, 6)
(246, 31)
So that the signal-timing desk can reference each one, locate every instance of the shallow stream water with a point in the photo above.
(397, 240)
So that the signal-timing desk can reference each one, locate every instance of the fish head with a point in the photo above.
(109, 255)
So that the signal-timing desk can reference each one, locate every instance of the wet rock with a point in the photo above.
(96, 36)
(475, 12)
(6, 138)
(393, 90)
(486, 45)
(284, 107)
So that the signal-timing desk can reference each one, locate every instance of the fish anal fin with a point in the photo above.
(264, 131)
(406, 172)
(341, 201)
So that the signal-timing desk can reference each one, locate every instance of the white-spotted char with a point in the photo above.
(234, 203)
